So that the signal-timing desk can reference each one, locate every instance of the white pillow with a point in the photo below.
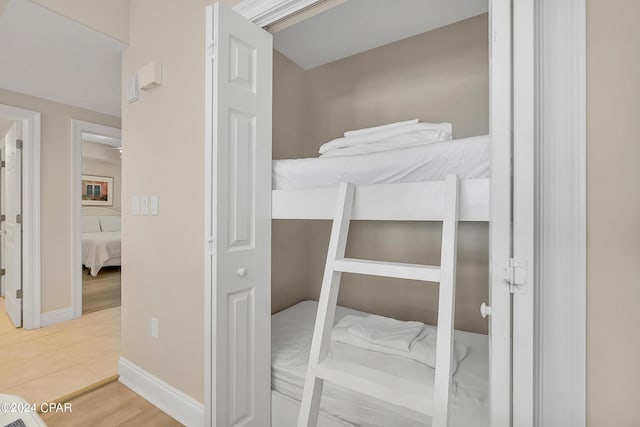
(90, 224)
(110, 223)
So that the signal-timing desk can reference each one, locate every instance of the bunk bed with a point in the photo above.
(420, 195)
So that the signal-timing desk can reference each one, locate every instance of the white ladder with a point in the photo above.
(374, 383)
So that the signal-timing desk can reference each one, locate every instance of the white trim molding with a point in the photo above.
(55, 316)
(30, 212)
(561, 212)
(114, 139)
(267, 12)
(169, 399)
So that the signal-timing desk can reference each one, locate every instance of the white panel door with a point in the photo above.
(12, 227)
(239, 70)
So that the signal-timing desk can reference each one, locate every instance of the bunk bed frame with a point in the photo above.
(414, 201)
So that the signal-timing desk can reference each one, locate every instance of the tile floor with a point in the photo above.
(46, 364)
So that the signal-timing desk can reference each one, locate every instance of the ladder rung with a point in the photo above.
(378, 384)
(399, 270)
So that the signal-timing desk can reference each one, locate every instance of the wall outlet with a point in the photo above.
(154, 327)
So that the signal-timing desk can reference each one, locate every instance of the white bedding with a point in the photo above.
(99, 248)
(292, 330)
(466, 157)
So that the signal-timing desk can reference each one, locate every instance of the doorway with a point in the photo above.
(96, 208)
(20, 221)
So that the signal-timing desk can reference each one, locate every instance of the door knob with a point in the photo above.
(242, 271)
(485, 310)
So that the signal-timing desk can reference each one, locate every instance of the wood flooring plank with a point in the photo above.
(111, 405)
(102, 291)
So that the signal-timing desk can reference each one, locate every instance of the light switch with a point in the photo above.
(144, 205)
(154, 205)
(135, 205)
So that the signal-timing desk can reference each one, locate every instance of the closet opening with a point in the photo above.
(436, 76)
(377, 143)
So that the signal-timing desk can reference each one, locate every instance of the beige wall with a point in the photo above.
(290, 245)
(55, 182)
(109, 17)
(613, 213)
(437, 76)
(103, 168)
(163, 136)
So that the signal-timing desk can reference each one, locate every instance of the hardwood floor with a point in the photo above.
(44, 365)
(100, 292)
(111, 405)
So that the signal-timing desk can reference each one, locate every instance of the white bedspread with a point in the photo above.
(466, 157)
(97, 248)
(292, 330)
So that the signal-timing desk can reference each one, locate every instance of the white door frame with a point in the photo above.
(30, 211)
(552, 36)
(77, 127)
(560, 210)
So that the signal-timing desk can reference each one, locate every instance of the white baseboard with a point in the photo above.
(56, 316)
(169, 399)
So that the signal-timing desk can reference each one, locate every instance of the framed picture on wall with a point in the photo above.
(97, 190)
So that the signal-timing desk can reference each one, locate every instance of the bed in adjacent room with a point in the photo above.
(101, 242)
(292, 330)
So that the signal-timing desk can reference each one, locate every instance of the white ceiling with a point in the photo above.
(359, 25)
(49, 56)
(100, 151)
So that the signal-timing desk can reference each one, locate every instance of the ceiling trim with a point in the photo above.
(265, 13)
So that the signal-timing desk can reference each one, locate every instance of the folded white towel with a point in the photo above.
(398, 142)
(387, 332)
(379, 128)
(423, 349)
(368, 138)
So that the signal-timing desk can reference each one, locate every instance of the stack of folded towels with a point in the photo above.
(408, 133)
(412, 340)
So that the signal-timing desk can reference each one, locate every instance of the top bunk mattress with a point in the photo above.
(466, 157)
(291, 334)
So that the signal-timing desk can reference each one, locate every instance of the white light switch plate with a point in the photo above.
(154, 327)
(135, 205)
(144, 205)
(154, 205)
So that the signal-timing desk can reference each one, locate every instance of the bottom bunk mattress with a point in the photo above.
(292, 331)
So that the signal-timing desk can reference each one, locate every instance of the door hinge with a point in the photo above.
(212, 50)
(211, 245)
(3, 271)
(3, 217)
(19, 293)
(19, 143)
(3, 163)
(515, 275)
(19, 219)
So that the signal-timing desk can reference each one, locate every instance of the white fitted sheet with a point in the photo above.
(292, 331)
(101, 249)
(467, 157)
